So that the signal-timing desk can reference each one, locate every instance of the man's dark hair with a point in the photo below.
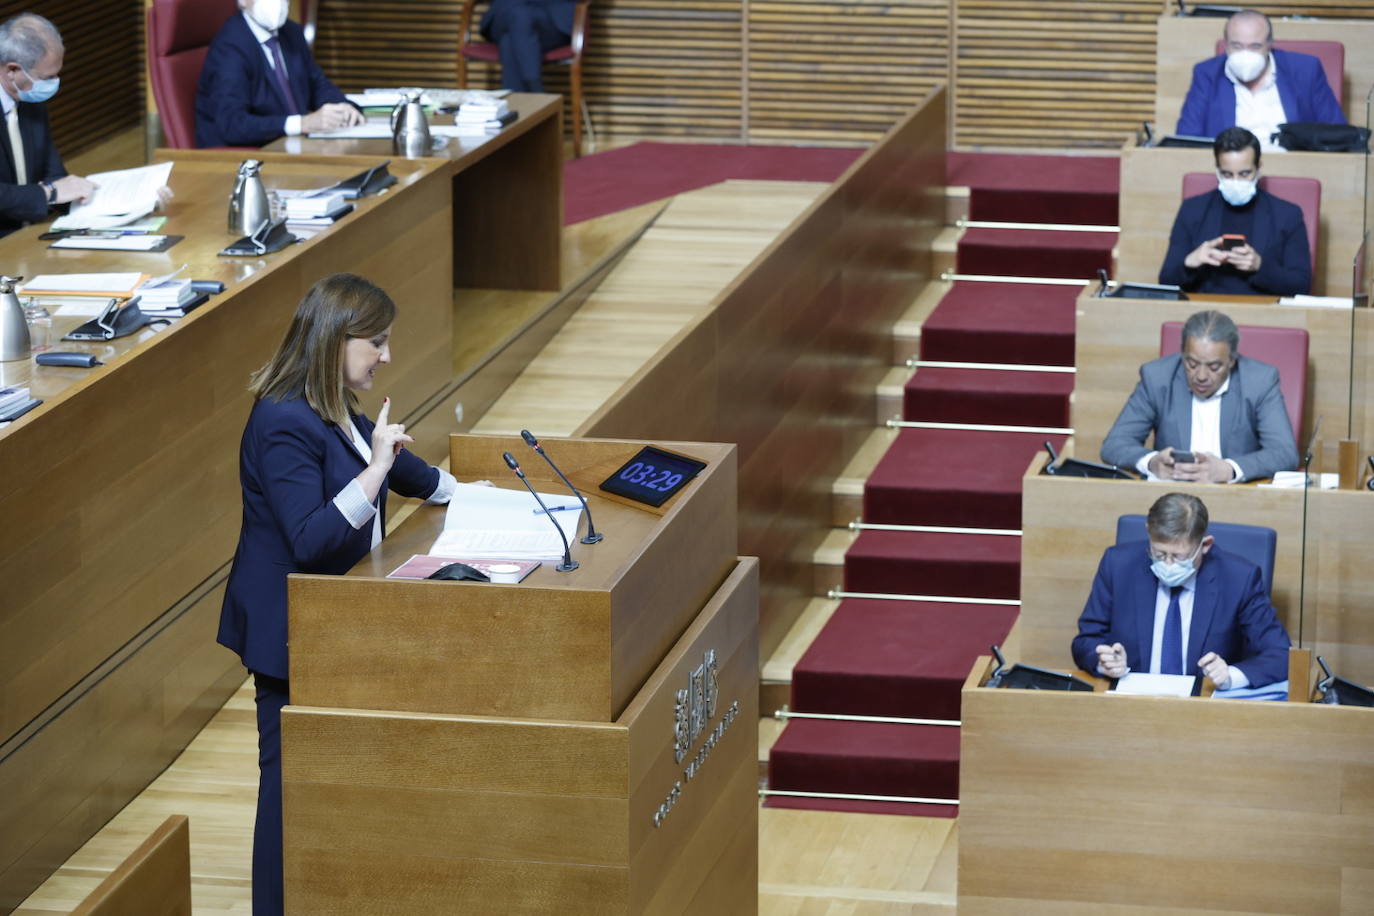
(1233, 140)
(1211, 325)
(1177, 517)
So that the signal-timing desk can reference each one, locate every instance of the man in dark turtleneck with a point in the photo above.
(1273, 257)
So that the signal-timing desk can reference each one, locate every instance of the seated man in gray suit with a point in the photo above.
(1209, 400)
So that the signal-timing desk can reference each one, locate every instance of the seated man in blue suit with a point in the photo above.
(1256, 87)
(1207, 399)
(1180, 605)
(523, 30)
(1272, 256)
(260, 82)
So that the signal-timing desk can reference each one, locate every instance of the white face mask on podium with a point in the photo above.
(270, 14)
(1246, 65)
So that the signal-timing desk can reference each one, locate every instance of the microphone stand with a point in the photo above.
(592, 535)
(568, 564)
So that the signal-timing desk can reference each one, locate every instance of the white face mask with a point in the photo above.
(1236, 191)
(270, 14)
(1176, 573)
(1247, 65)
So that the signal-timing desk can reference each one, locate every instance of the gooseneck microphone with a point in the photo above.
(568, 564)
(592, 535)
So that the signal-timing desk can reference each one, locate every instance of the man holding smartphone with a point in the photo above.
(1216, 416)
(1238, 239)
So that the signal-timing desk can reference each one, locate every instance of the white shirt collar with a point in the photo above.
(7, 102)
(261, 34)
(1270, 73)
(1225, 386)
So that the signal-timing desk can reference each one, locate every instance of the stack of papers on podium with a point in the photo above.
(108, 286)
(492, 523)
(121, 197)
(1140, 683)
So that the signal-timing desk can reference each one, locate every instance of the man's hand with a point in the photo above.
(1215, 669)
(1245, 259)
(73, 188)
(1208, 468)
(331, 116)
(1206, 255)
(1111, 660)
(1162, 465)
(164, 196)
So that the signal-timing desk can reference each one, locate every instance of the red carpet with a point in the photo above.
(876, 656)
(909, 659)
(632, 175)
(1002, 323)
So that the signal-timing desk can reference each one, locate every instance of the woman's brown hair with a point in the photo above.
(309, 362)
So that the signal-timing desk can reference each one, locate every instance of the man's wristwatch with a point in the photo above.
(52, 192)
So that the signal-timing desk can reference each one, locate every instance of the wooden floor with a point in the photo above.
(810, 863)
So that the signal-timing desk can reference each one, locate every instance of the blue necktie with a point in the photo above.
(1171, 647)
(280, 72)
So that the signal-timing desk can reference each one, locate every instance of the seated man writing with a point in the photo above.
(260, 82)
(1222, 408)
(1256, 87)
(1179, 604)
(1238, 239)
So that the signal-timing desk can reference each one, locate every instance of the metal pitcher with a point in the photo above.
(14, 331)
(409, 126)
(248, 204)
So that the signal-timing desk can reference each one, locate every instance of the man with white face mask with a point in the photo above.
(1238, 239)
(1255, 86)
(260, 82)
(32, 176)
(1178, 604)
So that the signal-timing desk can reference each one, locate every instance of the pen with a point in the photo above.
(555, 509)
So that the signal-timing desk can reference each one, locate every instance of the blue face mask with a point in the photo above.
(1176, 573)
(41, 90)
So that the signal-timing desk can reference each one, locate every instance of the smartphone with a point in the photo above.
(1184, 458)
(1231, 241)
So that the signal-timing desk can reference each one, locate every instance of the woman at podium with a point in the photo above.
(315, 473)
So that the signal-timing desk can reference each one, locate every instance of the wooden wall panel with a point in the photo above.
(102, 76)
(826, 71)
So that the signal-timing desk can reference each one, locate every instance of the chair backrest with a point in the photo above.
(1283, 348)
(1330, 53)
(179, 35)
(155, 880)
(1305, 192)
(1253, 542)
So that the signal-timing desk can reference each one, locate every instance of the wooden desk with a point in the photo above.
(1114, 337)
(507, 194)
(1184, 41)
(121, 494)
(1090, 802)
(1152, 189)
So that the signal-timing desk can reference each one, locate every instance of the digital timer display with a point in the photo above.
(652, 476)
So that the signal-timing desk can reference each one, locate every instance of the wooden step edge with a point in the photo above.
(777, 668)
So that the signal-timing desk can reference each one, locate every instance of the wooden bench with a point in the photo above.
(155, 880)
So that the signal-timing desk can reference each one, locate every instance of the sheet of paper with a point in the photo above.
(1330, 302)
(1155, 685)
(82, 284)
(495, 522)
(122, 197)
(1277, 691)
(120, 243)
(368, 130)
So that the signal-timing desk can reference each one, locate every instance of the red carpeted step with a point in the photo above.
(866, 758)
(952, 477)
(896, 658)
(1022, 206)
(988, 396)
(919, 563)
(1030, 253)
(1033, 171)
(1002, 323)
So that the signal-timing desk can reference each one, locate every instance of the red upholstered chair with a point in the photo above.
(1305, 192)
(570, 55)
(1330, 53)
(179, 35)
(1283, 348)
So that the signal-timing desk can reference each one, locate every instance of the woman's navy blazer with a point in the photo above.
(292, 464)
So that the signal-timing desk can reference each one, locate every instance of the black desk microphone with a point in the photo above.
(592, 535)
(568, 564)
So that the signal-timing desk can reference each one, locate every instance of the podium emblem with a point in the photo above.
(696, 705)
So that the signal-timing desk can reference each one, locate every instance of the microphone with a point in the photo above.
(592, 535)
(568, 564)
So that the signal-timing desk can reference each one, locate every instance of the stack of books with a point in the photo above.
(165, 297)
(306, 216)
(15, 402)
(482, 115)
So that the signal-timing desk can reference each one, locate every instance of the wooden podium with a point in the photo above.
(582, 742)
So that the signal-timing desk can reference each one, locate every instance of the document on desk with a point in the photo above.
(109, 285)
(491, 522)
(368, 130)
(121, 197)
(1138, 683)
